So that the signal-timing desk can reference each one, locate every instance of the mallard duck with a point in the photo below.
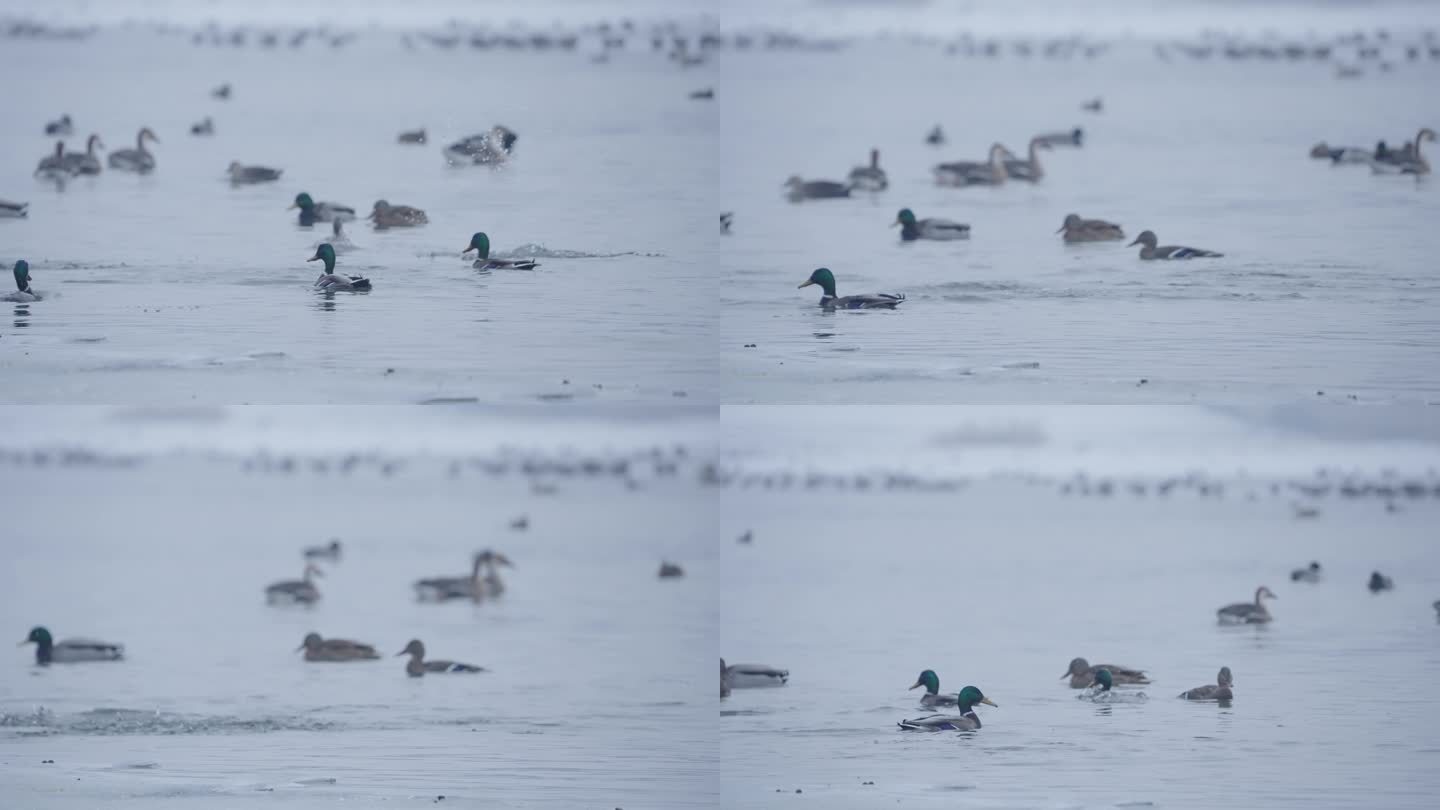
(1102, 678)
(939, 229)
(418, 666)
(1310, 573)
(61, 126)
(1220, 690)
(335, 649)
(798, 189)
(1030, 169)
(1248, 612)
(966, 720)
(755, 676)
(490, 149)
(1410, 161)
(936, 137)
(443, 589)
(312, 212)
(71, 650)
(241, 175)
(138, 159)
(932, 696)
(1075, 137)
(13, 210)
(295, 591)
(52, 167)
(413, 136)
(823, 277)
(23, 294)
(386, 215)
(85, 162)
(969, 173)
(870, 178)
(1077, 229)
(206, 127)
(329, 551)
(330, 281)
(1379, 582)
(1149, 251)
(1081, 674)
(480, 243)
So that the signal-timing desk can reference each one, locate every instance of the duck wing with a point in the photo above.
(940, 722)
(86, 649)
(450, 666)
(1179, 252)
(876, 301)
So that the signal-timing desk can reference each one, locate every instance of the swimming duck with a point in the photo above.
(335, 649)
(85, 162)
(1078, 229)
(480, 243)
(138, 159)
(755, 676)
(417, 666)
(936, 136)
(222, 92)
(970, 173)
(967, 720)
(1149, 251)
(823, 277)
(725, 684)
(13, 210)
(52, 167)
(386, 215)
(442, 589)
(249, 175)
(1310, 573)
(490, 149)
(1410, 161)
(1379, 582)
(1344, 154)
(1082, 675)
(206, 127)
(1075, 137)
(938, 229)
(71, 650)
(23, 294)
(1220, 690)
(1094, 105)
(312, 212)
(704, 94)
(932, 696)
(295, 591)
(1102, 678)
(61, 126)
(799, 189)
(1029, 169)
(330, 281)
(1247, 612)
(329, 551)
(414, 136)
(870, 178)
(669, 570)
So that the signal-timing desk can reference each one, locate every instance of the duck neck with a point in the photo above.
(910, 230)
(329, 265)
(44, 651)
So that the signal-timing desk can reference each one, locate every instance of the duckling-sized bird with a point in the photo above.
(13, 210)
(52, 167)
(480, 243)
(492, 148)
(414, 136)
(138, 159)
(295, 591)
(1075, 137)
(1310, 573)
(1082, 675)
(932, 696)
(1079, 229)
(912, 229)
(1248, 612)
(71, 650)
(1220, 690)
(241, 175)
(799, 189)
(61, 126)
(669, 570)
(755, 676)
(335, 649)
(417, 666)
(1094, 105)
(312, 212)
(85, 162)
(969, 173)
(936, 137)
(330, 281)
(204, 128)
(1149, 250)
(870, 178)
(23, 294)
(222, 92)
(823, 277)
(967, 720)
(329, 551)
(386, 215)
(1379, 582)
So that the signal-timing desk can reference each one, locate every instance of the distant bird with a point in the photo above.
(13, 210)
(1247, 612)
(85, 162)
(936, 136)
(480, 243)
(52, 167)
(474, 587)
(61, 126)
(1078, 229)
(755, 676)
(1075, 137)
(1379, 582)
(413, 136)
(295, 591)
(492, 148)
(1310, 573)
(1410, 160)
(71, 650)
(1344, 154)
(726, 220)
(312, 212)
(335, 649)
(1028, 169)
(222, 92)
(970, 173)
(138, 159)
(1220, 690)
(1094, 105)
(869, 178)
(329, 551)
(1149, 250)
(800, 189)
(829, 300)
(747, 538)
(386, 215)
(241, 175)
(669, 570)
(206, 127)
(520, 524)
(703, 95)
(912, 229)
(725, 685)
(329, 280)
(417, 666)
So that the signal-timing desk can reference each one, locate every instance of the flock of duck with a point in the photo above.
(1408, 159)
(1098, 681)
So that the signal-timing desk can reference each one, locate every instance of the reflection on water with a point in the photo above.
(22, 316)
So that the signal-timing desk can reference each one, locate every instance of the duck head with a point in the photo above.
(40, 637)
(1103, 679)
(325, 253)
(1225, 678)
(312, 640)
(929, 680)
(22, 283)
(381, 206)
(1146, 238)
(905, 217)
(1071, 221)
(479, 243)
(303, 202)
(1264, 592)
(1078, 666)
(415, 648)
(146, 133)
(824, 278)
(969, 696)
(795, 182)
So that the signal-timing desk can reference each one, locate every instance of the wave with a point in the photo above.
(119, 721)
(535, 250)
